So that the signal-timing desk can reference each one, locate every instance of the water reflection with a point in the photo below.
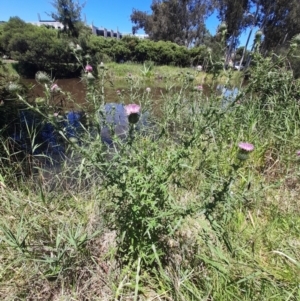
(228, 94)
(113, 119)
(116, 123)
(76, 91)
(35, 136)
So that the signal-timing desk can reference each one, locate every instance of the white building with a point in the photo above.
(54, 24)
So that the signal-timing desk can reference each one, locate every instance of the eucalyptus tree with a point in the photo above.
(179, 21)
(279, 20)
(236, 15)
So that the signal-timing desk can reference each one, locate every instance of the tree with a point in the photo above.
(68, 12)
(279, 20)
(9, 29)
(235, 14)
(179, 21)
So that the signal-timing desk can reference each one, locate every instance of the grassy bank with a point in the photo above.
(181, 212)
(150, 71)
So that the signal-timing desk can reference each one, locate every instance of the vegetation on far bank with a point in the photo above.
(40, 48)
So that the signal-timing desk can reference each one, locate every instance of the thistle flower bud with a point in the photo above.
(73, 140)
(42, 77)
(223, 26)
(78, 48)
(296, 39)
(90, 77)
(258, 34)
(71, 45)
(190, 78)
(40, 100)
(13, 87)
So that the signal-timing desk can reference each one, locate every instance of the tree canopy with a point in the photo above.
(68, 12)
(279, 20)
(183, 21)
(179, 21)
(234, 13)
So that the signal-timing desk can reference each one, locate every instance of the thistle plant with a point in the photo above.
(186, 200)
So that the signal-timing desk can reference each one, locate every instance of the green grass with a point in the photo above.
(166, 72)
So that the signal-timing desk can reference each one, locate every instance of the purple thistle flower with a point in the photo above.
(198, 88)
(132, 111)
(245, 146)
(88, 68)
(55, 88)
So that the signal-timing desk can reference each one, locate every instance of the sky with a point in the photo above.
(111, 14)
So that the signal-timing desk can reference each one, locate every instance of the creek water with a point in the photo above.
(77, 91)
(75, 101)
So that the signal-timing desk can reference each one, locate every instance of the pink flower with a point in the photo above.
(55, 114)
(148, 90)
(55, 88)
(118, 92)
(132, 111)
(88, 68)
(245, 146)
(298, 153)
(199, 68)
(198, 88)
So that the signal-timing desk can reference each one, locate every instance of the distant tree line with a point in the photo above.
(183, 21)
(41, 48)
